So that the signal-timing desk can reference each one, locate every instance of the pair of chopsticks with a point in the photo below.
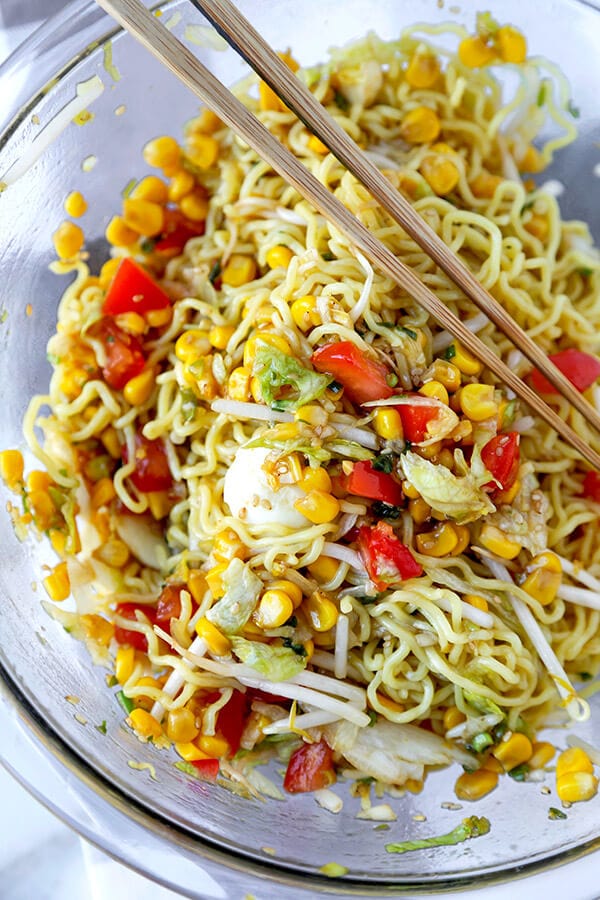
(240, 34)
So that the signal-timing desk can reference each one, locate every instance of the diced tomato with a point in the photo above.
(501, 457)
(124, 353)
(386, 558)
(310, 768)
(365, 481)
(232, 719)
(152, 472)
(580, 368)
(133, 290)
(363, 378)
(134, 638)
(208, 768)
(415, 420)
(591, 486)
(169, 604)
(177, 232)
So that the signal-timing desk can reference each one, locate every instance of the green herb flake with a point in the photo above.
(382, 827)
(372, 717)
(585, 271)
(520, 773)
(299, 649)
(126, 192)
(527, 205)
(585, 676)
(473, 827)
(480, 742)
(333, 870)
(384, 463)
(541, 97)
(554, 813)
(214, 272)
(450, 352)
(102, 727)
(383, 510)
(574, 110)
(189, 405)
(341, 102)
(124, 701)
(392, 379)
(53, 359)
(408, 332)
(148, 244)
(328, 256)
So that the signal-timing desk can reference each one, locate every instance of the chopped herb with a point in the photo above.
(124, 701)
(541, 97)
(382, 827)
(472, 827)
(574, 110)
(102, 727)
(368, 779)
(498, 731)
(128, 188)
(333, 870)
(367, 601)
(407, 331)
(188, 768)
(148, 244)
(554, 813)
(63, 472)
(189, 404)
(340, 101)
(335, 387)
(383, 463)
(520, 773)
(585, 676)
(372, 717)
(527, 205)
(392, 379)
(328, 256)
(450, 352)
(585, 271)
(480, 742)
(111, 681)
(214, 272)
(292, 622)
(299, 649)
(53, 359)
(383, 510)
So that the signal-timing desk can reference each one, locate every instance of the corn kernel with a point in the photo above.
(575, 759)
(227, 546)
(511, 44)
(194, 206)
(491, 764)
(388, 424)
(207, 122)
(131, 322)
(316, 145)
(321, 612)
(538, 226)
(255, 390)
(192, 344)
(157, 318)
(113, 552)
(452, 717)
(196, 585)
(484, 185)
(576, 786)
(143, 216)
(124, 663)
(507, 496)
(445, 458)
(214, 580)
(11, 468)
(441, 541)
(473, 52)
(447, 374)
(315, 480)
(58, 539)
(476, 601)
(514, 751)
(162, 151)
(139, 389)
(435, 389)
(494, 540)
(319, 507)
(274, 608)
(97, 628)
(442, 175)
(464, 360)
(265, 337)
(57, 583)
(304, 312)
(144, 724)
(238, 384)
(109, 269)
(279, 257)
(111, 441)
(473, 785)
(220, 335)
(239, 270)
(203, 150)
(75, 204)
(410, 491)
(182, 184)
(419, 510)
(312, 414)
(543, 753)
(292, 590)
(189, 751)
(217, 642)
(68, 240)
(181, 726)
(477, 402)
(423, 70)
(420, 125)
(463, 536)
(151, 188)
(268, 99)
(324, 568)
(544, 577)
(531, 161)
(213, 745)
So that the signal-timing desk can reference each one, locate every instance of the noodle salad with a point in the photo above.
(294, 515)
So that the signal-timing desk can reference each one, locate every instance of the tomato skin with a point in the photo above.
(415, 420)
(580, 368)
(133, 290)
(208, 768)
(124, 353)
(363, 378)
(386, 558)
(310, 768)
(501, 457)
(169, 604)
(232, 719)
(591, 486)
(177, 232)
(365, 481)
(134, 638)
(152, 472)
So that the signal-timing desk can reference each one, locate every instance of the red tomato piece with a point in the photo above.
(591, 486)
(501, 457)
(363, 378)
(208, 768)
(386, 558)
(124, 353)
(133, 290)
(580, 368)
(134, 638)
(365, 481)
(232, 719)
(152, 472)
(415, 420)
(178, 231)
(169, 604)
(310, 768)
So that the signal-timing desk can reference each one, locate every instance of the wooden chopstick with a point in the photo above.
(244, 38)
(147, 29)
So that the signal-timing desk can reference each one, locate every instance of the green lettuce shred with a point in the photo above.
(276, 663)
(482, 704)
(242, 589)
(473, 827)
(457, 497)
(276, 370)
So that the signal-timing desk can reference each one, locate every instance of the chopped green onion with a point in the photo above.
(472, 827)
(124, 701)
(450, 352)
(554, 813)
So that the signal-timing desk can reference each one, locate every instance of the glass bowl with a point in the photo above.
(281, 844)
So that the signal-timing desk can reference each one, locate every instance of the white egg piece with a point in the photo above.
(250, 497)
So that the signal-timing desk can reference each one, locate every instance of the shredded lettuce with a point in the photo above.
(348, 449)
(482, 704)
(460, 498)
(276, 370)
(472, 827)
(242, 589)
(304, 442)
(275, 663)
